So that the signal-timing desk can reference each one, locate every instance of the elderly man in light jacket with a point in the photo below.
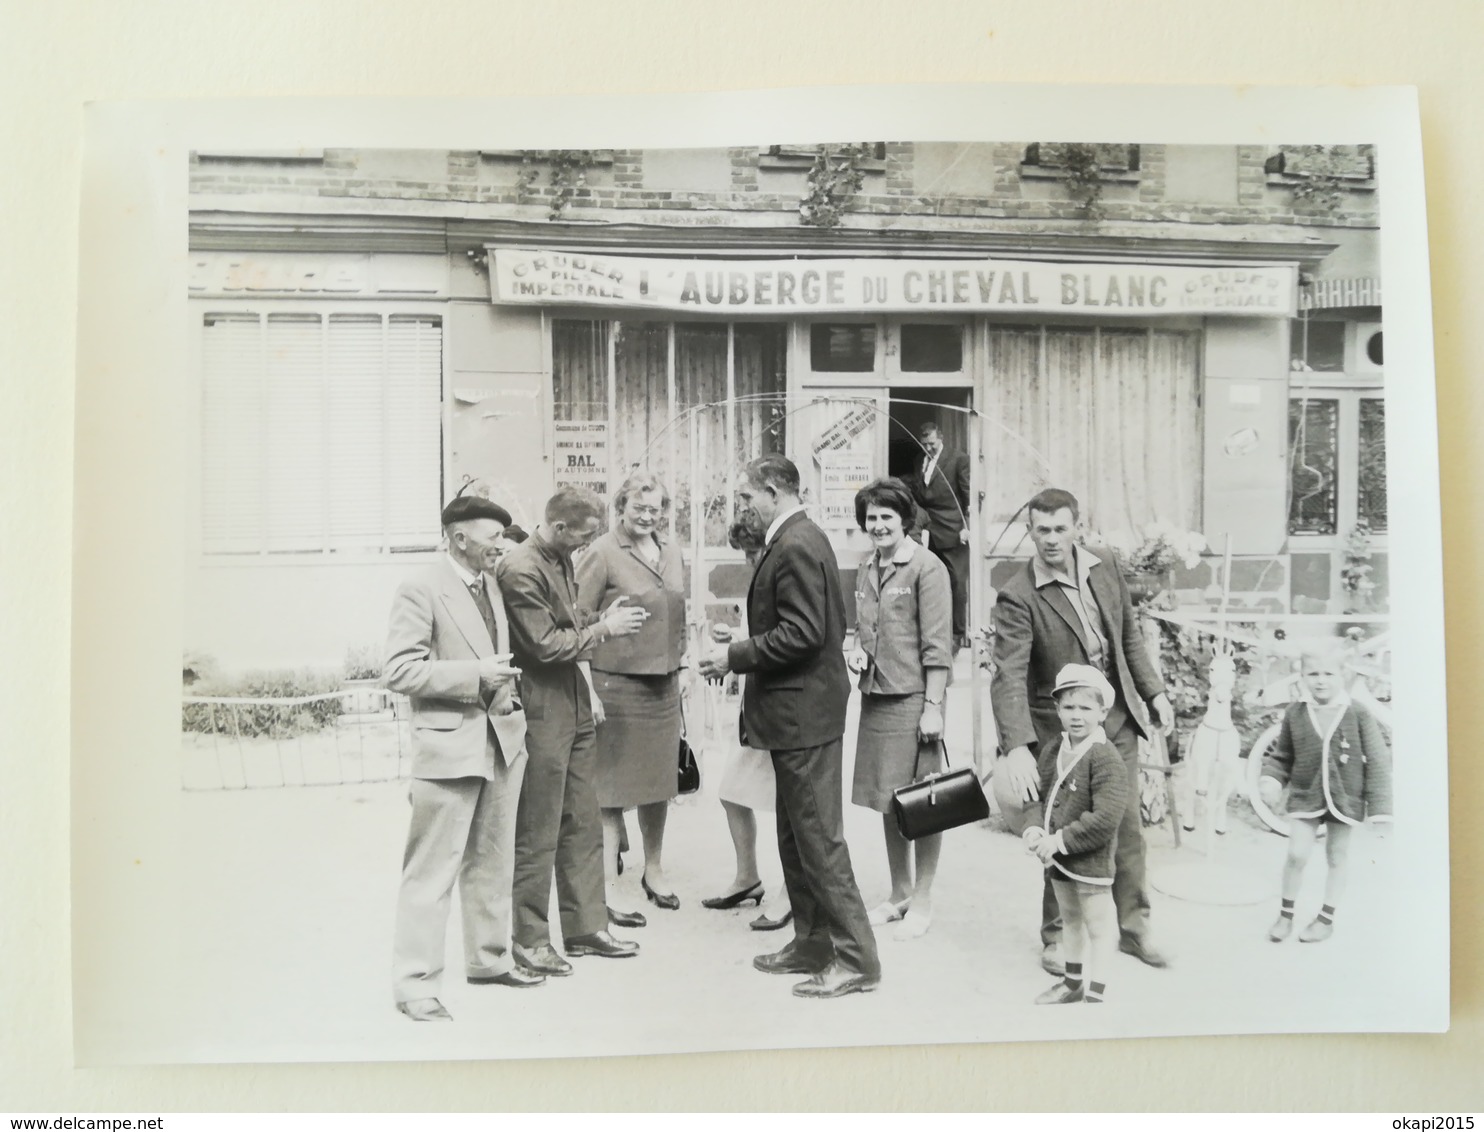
(447, 649)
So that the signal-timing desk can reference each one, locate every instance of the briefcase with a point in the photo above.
(945, 800)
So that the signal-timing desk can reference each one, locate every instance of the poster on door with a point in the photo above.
(580, 452)
(841, 475)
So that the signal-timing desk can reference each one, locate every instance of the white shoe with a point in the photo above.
(914, 925)
(887, 913)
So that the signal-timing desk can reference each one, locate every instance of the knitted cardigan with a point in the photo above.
(1085, 805)
(1345, 774)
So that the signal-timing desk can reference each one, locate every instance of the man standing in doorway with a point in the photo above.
(941, 489)
(448, 627)
(1068, 606)
(558, 826)
(793, 705)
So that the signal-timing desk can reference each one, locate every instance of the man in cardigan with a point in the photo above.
(793, 705)
(940, 486)
(1068, 606)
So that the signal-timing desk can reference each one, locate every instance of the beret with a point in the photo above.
(465, 507)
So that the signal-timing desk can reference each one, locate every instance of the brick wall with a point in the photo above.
(617, 182)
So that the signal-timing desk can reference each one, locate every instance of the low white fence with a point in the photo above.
(242, 743)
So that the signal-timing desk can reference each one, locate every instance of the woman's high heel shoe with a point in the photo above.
(764, 924)
(667, 900)
(734, 899)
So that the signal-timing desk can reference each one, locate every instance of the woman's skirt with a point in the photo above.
(886, 751)
(748, 779)
(638, 740)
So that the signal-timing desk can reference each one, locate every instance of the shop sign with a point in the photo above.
(780, 287)
(581, 454)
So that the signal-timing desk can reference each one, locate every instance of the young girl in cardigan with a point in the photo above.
(1332, 755)
(1084, 792)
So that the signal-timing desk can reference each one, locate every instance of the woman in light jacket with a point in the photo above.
(904, 635)
(636, 680)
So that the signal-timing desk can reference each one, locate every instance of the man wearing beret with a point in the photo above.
(447, 650)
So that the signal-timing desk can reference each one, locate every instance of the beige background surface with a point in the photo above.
(59, 56)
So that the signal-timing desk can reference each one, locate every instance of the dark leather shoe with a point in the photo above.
(764, 924)
(602, 944)
(425, 1010)
(542, 960)
(837, 980)
(514, 977)
(626, 919)
(1059, 994)
(1143, 951)
(1051, 960)
(789, 961)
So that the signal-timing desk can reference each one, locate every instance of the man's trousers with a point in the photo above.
(462, 829)
(829, 915)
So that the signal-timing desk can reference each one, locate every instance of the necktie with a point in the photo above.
(486, 610)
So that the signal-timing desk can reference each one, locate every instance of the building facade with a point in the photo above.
(1185, 335)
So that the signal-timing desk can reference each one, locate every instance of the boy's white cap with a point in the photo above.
(1084, 676)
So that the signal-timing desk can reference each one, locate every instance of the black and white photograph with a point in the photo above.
(664, 597)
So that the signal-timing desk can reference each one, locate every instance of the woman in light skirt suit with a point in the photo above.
(904, 635)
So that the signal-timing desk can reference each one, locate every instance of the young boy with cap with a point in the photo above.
(1074, 830)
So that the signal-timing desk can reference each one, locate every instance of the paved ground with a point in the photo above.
(286, 927)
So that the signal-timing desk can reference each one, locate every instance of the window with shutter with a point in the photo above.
(321, 432)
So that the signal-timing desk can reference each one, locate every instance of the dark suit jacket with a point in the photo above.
(1037, 632)
(797, 683)
(942, 499)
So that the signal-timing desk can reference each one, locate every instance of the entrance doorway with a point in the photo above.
(913, 406)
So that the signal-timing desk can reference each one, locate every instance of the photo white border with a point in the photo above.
(132, 351)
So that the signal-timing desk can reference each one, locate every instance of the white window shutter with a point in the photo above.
(414, 450)
(321, 434)
(232, 399)
(296, 434)
(358, 415)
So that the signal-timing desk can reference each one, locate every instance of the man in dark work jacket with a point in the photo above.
(793, 705)
(557, 825)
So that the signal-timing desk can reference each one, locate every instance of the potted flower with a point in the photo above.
(1148, 562)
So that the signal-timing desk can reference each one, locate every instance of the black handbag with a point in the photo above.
(941, 801)
(689, 771)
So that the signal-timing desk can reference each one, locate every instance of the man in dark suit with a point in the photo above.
(445, 652)
(1068, 606)
(558, 826)
(793, 705)
(940, 487)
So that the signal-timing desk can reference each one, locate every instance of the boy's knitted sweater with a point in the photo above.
(1344, 773)
(1084, 799)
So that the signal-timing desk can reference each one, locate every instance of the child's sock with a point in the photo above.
(1327, 914)
(1287, 911)
(1094, 992)
(1074, 975)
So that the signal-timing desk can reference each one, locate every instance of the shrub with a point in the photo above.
(267, 719)
(363, 662)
